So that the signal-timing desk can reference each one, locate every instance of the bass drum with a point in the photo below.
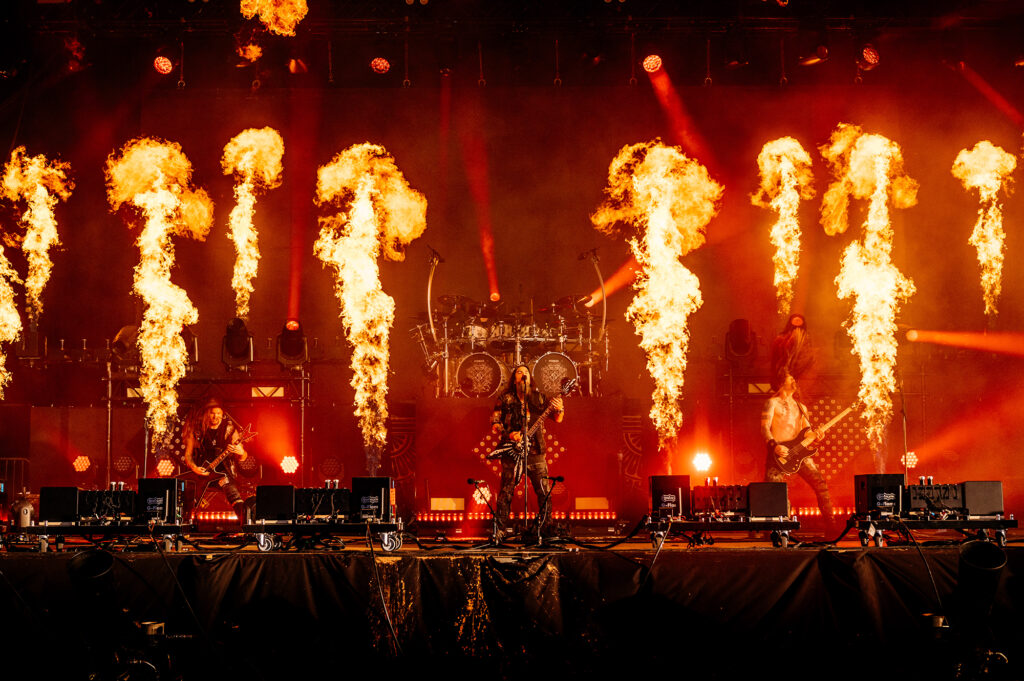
(550, 370)
(480, 375)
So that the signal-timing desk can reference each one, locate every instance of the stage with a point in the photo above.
(719, 611)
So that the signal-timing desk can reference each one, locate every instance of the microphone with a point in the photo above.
(435, 253)
(592, 252)
(556, 478)
(471, 481)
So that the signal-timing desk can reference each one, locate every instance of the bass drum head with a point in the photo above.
(550, 371)
(481, 375)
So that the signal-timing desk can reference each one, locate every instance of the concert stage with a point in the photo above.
(719, 611)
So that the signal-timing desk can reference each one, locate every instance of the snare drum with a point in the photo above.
(480, 375)
(550, 371)
(474, 333)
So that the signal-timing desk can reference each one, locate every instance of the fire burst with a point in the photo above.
(380, 213)
(667, 199)
(155, 177)
(254, 156)
(279, 16)
(40, 183)
(10, 320)
(870, 167)
(987, 168)
(785, 179)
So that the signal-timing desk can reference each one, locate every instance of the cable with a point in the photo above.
(927, 565)
(380, 589)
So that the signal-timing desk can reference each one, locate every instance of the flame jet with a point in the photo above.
(10, 320)
(254, 156)
(660, 201)
(870, 167)
(987, 168)
(40, 183)
(380, 215)
(785, 179)
(154, 177)
(279, 16)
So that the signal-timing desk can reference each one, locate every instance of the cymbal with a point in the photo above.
(455, 300)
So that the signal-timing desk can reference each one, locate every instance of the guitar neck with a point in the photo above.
(838, 417)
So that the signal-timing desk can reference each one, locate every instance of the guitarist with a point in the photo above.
(517, 410)
(207, 435)
(782, 420)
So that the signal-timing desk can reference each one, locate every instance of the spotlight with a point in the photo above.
(912, 335)
(81, 464)
(652, 63)
(296, 65)
(380, 65)
(817, 56)
(165, 467)
(702, 461)
(910, 460)
(163, 65)
(868, 57)
(236, 350)
(292, 349)
(289, 464)
(124, 464)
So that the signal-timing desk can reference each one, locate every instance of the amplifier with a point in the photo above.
(112, 505)
(878, 493)
(58, 504)
(719, 499)
(373, 499)
(164, 501)
(934, 498)
(983, 497)
(275, 502)
(321, 503)
(670, 496)
(768, 500)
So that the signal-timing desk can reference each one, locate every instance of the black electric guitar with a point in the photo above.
(517, 449)
(214, 465)
(802, 446)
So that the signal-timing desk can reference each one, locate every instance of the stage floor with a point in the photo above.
(739, 606)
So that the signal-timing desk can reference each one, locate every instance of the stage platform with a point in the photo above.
(739, 607)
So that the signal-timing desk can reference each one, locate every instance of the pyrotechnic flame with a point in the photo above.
(785, 179)
(661, 200)
(40, 183)
(154, 177)
(254, 156)
(279, 16)
(10, 320)
(381, 214)
(250, 52)
(870, 167)
(987, 168)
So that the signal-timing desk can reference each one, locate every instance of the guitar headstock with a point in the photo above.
(569, 384)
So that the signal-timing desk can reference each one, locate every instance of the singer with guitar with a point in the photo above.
(784, 424)
(213, 440)
(518, 409)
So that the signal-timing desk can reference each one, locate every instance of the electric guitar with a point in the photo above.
(518, 449)
(213, 465)
(801, 447)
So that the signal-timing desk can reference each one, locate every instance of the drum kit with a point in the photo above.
(472, 347)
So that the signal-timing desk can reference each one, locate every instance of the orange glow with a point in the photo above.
(1001, 343)
(279, 16)
(164, 468)
(910, 460)
(289, 464)
(81, 463)
(292, 325)
(680, 121)
(622, 278)
(380, 65)
(495, 297)
(990, 93)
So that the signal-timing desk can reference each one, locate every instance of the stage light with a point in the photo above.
(380, 65)
(237, 347)
(81, 463)
(912, 335)
(292, 349)
(165, 467)
(163, 65)
(702, 461)
(910, 460)
(868, 58)
(652, 63)
(124, 464)
(289, 464)
(495, 297)
(817, 56)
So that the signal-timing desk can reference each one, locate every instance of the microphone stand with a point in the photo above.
(545, 504)
(494, 542)
(524, 404)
